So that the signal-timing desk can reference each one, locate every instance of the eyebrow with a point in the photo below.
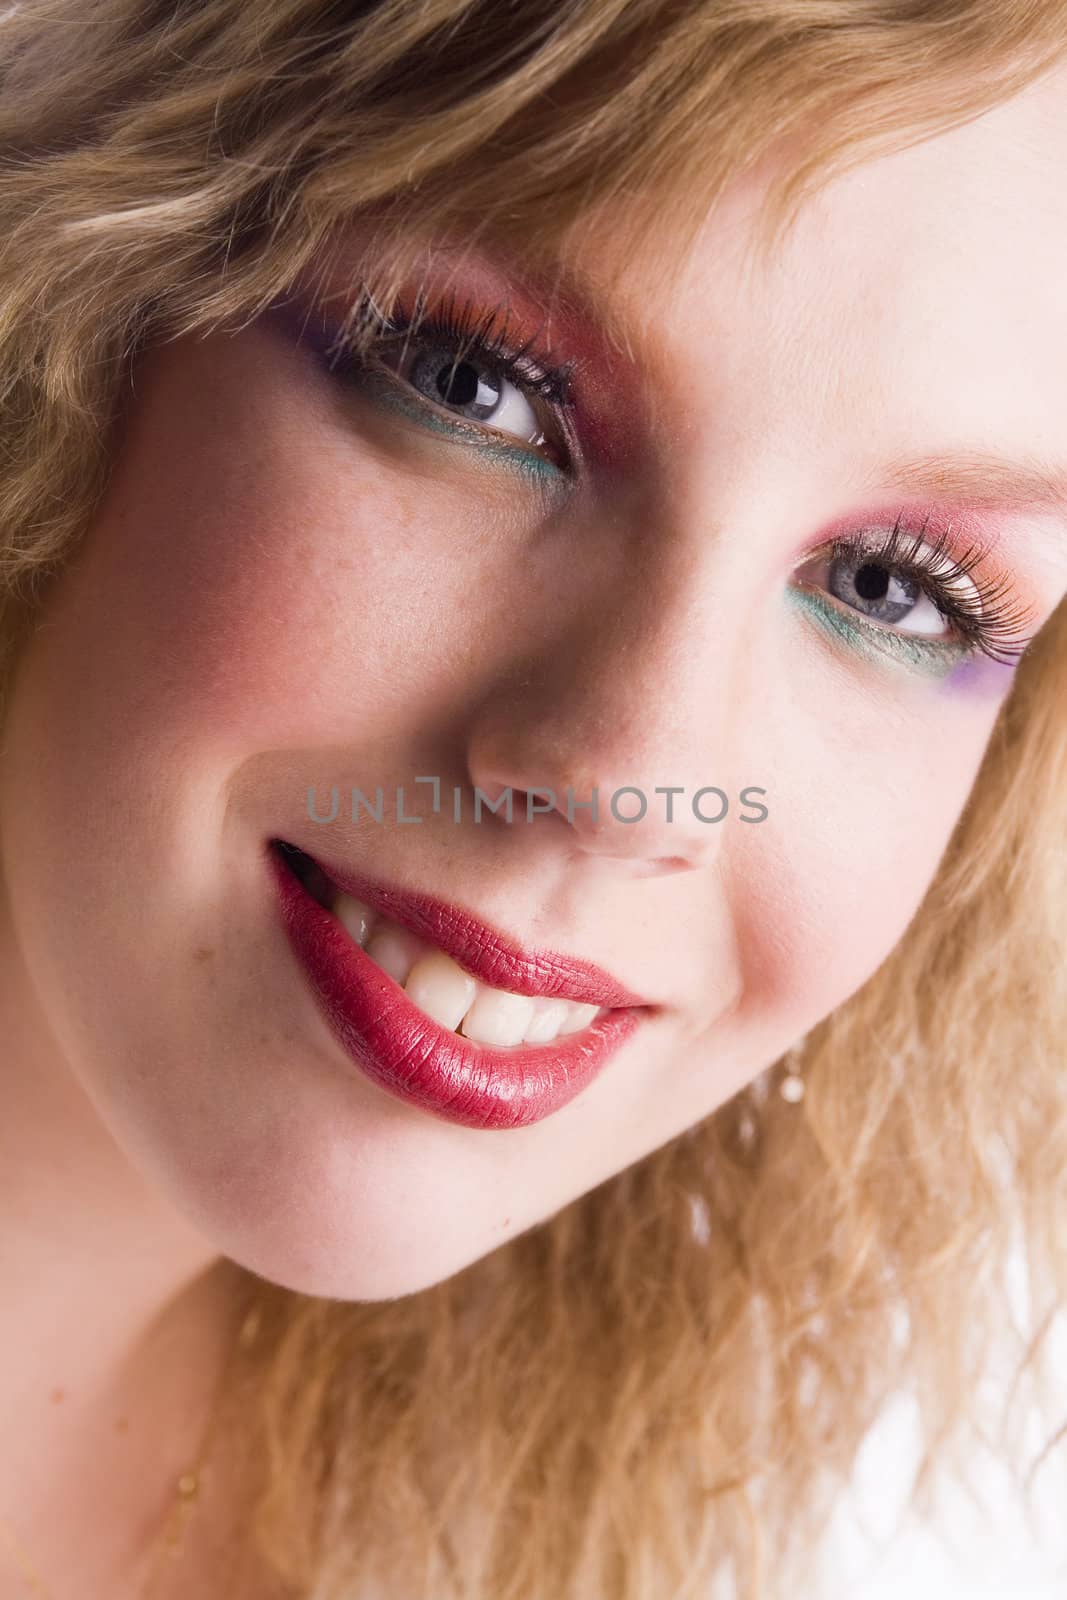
(979, 476)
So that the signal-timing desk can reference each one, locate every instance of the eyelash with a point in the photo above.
(987, 619)
(473, 333)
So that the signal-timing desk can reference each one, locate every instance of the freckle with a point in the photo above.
(122, 1425)
(57, 1396)
(203, 953)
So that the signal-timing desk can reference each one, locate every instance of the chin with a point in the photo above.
(365, 1235)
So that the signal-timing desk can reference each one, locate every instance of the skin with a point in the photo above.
(288, 584)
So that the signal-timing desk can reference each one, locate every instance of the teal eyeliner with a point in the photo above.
(389, 393)
(877, 643)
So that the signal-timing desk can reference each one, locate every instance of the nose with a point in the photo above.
(621, 736)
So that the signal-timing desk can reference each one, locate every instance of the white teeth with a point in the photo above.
(497, 1017)
(450, 996)
(441, 988)
(581, 1016)
(353, 915)
(547, 1021)
(395, 950)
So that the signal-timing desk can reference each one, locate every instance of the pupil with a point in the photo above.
(871, 581)
(458, 383)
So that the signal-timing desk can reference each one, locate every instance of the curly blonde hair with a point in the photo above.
(616, 1405)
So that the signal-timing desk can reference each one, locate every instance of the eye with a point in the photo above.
(899, 589)
(472, 386)
(869, 583)
(457, 368)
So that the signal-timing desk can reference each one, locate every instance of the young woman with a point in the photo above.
(533, 549)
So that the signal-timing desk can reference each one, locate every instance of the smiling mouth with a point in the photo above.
(434, 982)
(441, 1009)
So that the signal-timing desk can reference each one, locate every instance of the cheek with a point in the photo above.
(233, 597)
(255, 580)
(826, 887)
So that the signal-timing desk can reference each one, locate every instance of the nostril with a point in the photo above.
(659, 866)
(664, 864)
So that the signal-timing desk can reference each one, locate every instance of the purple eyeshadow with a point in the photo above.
(982, 677)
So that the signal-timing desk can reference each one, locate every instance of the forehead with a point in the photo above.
(922, 290)
(987, 193)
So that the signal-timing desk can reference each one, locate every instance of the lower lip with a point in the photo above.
(413, 1057)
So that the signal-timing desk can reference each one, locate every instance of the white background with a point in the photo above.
(983, 1552)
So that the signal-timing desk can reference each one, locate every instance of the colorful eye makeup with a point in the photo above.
(894, 592)
(467, 373)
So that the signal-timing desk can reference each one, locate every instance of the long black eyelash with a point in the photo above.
(990, 618)
(488, 334)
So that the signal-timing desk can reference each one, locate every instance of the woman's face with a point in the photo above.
(308, 578)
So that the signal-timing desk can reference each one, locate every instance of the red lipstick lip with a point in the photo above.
(488, 955)
(413, 1058)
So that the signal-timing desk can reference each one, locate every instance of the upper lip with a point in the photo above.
(492, 957)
